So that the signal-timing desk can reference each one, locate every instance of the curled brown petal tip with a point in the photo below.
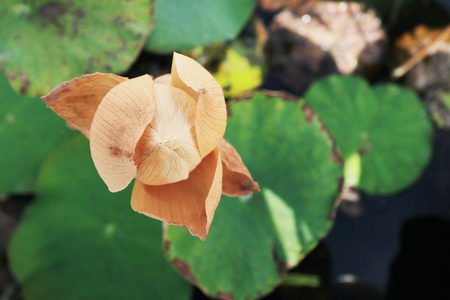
(77, 100)
(237, 180)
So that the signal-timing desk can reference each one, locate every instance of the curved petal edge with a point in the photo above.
(211, 115)
(190, 203)
(237, 180)
(118, 124)
(77, 100)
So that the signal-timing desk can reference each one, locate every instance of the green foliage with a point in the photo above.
(28, 133)
(183, 25)
(254, 240)
(387, 126)
(43, 43)
(79, 241)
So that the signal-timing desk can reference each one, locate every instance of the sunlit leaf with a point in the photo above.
(79, 241)
(254, 240)
(387, 126)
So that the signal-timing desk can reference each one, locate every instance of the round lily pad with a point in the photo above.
(28, 133)
(254, 240)
(183, 25)
(386, 126)
(43, 43)
(79, 241)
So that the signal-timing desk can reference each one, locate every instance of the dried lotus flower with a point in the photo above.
(166, 133)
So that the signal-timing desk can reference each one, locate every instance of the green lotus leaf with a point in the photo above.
(254, 240)
(28, 133)
(183, 25)
(384, 133)
(46, 42)
(79, 241)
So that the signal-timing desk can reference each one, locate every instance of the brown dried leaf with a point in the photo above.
(423, 58)
(412, 48)
(332, 37)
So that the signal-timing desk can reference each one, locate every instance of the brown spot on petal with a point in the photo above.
(117, 126)
(116, 151)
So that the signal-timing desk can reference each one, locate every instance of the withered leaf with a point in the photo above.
(332, 37)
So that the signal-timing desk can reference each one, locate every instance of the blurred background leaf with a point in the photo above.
(387, 126)
(28, 133)
(254, 240)
(79, 241)
(43, 43)
(183, 25)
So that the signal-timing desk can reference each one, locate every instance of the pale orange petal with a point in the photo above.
(236, 180)
(77, 100)
(156, 163)
(168, 150)
(118, 124)
(190, 203)
(165, 79)
(211, 116)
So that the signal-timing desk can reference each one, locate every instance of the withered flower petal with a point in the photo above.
(77, 100)
(237, 180)
(190, 203)
(118, 124)
(163, 132)
(169, 139)
(211, 119)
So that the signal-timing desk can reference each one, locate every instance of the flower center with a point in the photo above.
(168, 150)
